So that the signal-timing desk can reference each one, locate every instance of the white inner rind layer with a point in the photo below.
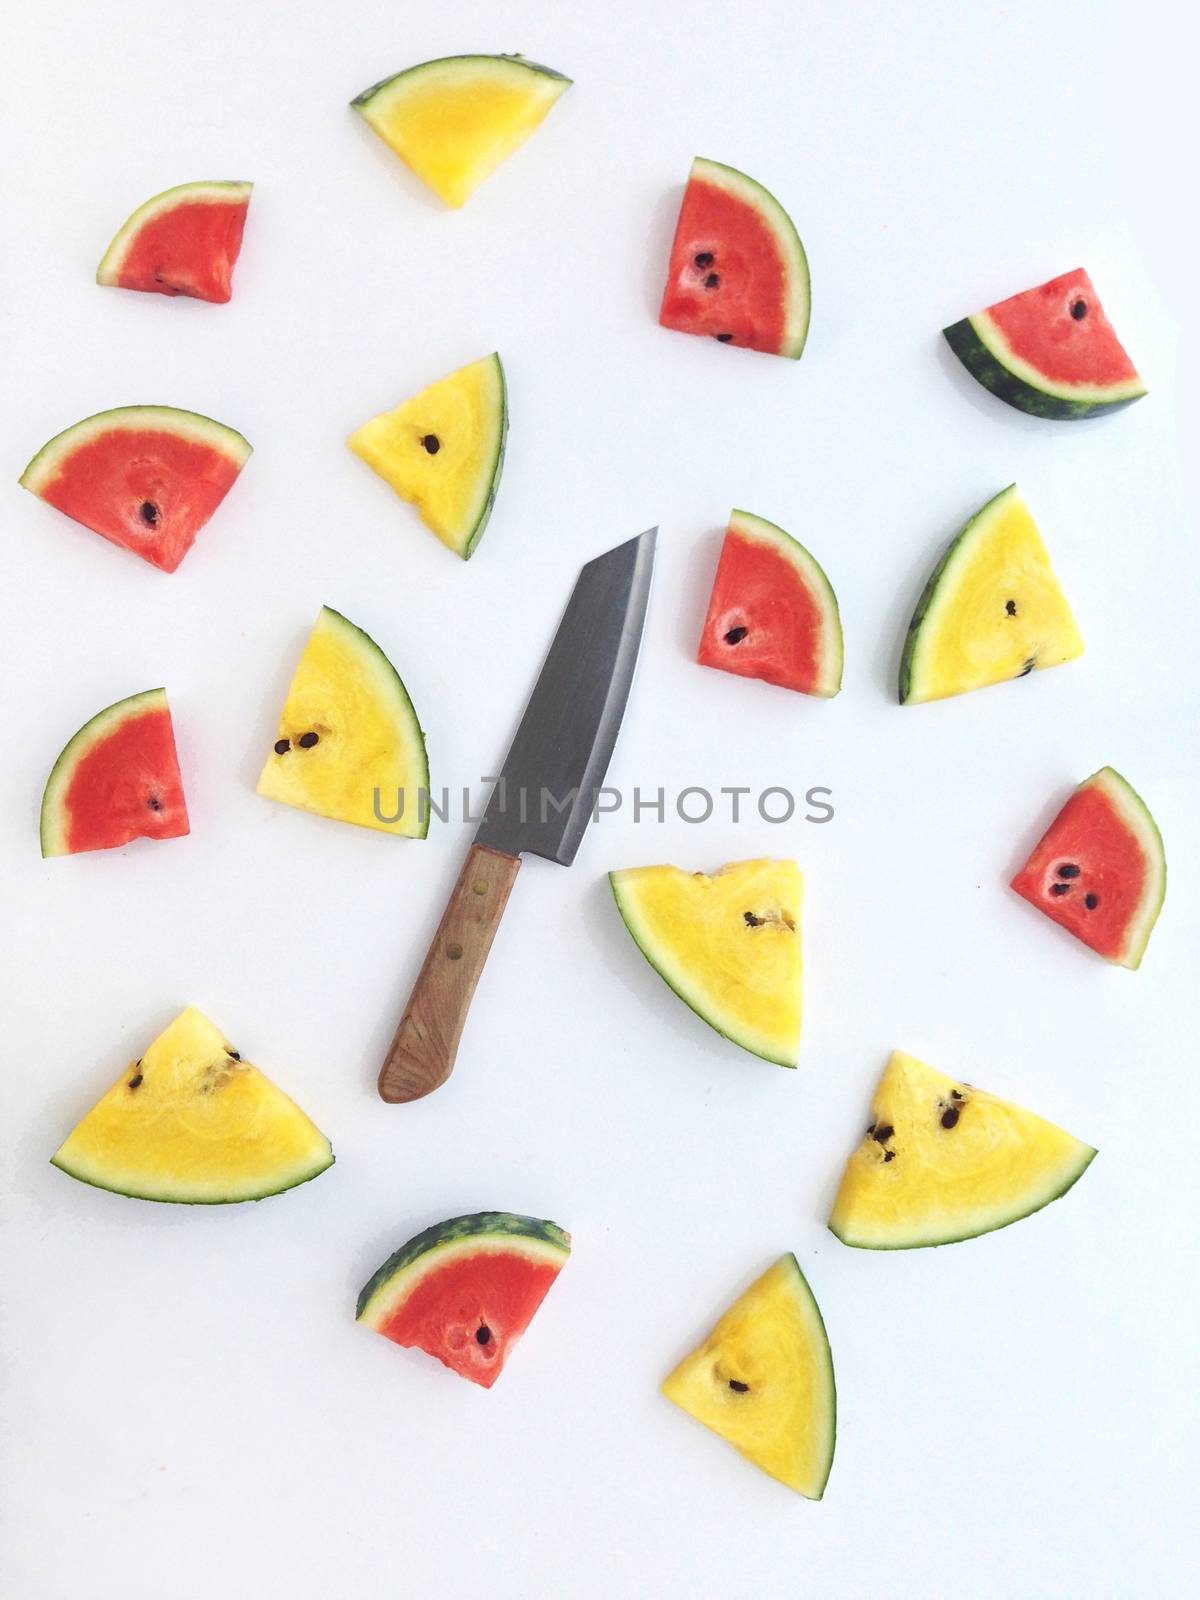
(798, 299)
(990, 336)
(812, 575)
(389, 1296)
(1135, 814)
(49, 460)
(219, 193)
(54, 819)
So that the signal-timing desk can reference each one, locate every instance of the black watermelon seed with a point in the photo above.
(881, 1135)
(136, 1081)
(1027, 668)
(704, 259)
(713, 280)
(736, 635)
(751, 920)
(432, 443)
(724, 338)
(889, 1155)
(738, 1386)
(955, 1095)
(307, 740)
(1079, 310)
(949, 1116)
(282, 746)
(1011, 607)
(154, 802)
(1060, 888)
(1068, 870)
(149, 513)
(1091, 901)
(236, 1054)
(483, 1335)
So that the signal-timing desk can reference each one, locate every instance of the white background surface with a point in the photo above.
(188, 1408)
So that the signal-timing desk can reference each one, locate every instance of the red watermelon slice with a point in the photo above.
(773, 613)
(185, 241)
(738, 270)
(145, 477)
(1050, 351)
(1100, 870)
(466, 1290)
(117, 780)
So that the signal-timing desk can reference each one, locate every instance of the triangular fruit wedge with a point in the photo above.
(194, 1123)
(144, 477)
(185, 241)
(738, 271)
(942, 1161)
(728, 945)
(763, 1380)
(349, 744)
(773, 613)
(466, 1290)
(118, 779)
(1100, 870)
(453, 121)
(992, 610)
(443, 451)
(1049, 351)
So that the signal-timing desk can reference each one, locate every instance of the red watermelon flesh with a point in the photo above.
(191, 250)
(737, 270)
(146, 478)
(1061, 331)
(116, 781)
(471, 1312)
(1099, 870)
(772, 614)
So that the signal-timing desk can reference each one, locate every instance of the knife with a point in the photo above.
(541, 804)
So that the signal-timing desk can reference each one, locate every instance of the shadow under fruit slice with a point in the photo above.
(1050, 351)
(464, 1291)
(185, 241)
(773, 613)
(117, 780)
(192, 1122)
(729, 945)
(942, 1161)
(146, 478)
(349, 744)
(992, 610)
(1100, 870)
(763, 1380)
(738, 271)
(443, 451)
(454, 120)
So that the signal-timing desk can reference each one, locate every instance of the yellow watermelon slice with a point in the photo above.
(194, 1123)
(942, 1161)
(349, 745)
(454, 120)
(729, 946)
(763, 1380)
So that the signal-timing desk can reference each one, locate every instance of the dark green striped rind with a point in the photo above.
(918, 617)
(494, 1224)
(445, 61)
(1005, 385)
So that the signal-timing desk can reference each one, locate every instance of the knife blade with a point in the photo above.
(541, 804)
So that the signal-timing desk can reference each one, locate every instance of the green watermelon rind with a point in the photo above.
(815, 580)
(218, 191)
(1037, 1202)
(984, 352)
(483, 515)
(810, 1300)
(53, 826)
(130, 1193)
(1138, 818)
(191, 425)
(395, 82)
(384, 1290)
(791, 248)
(655, 958)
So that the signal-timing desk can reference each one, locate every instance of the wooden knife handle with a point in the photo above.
(421, 1055)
